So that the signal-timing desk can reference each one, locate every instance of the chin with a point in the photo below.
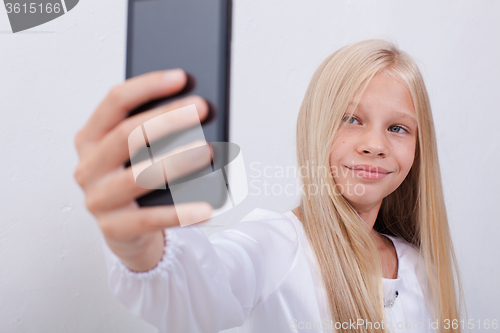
(364, 200)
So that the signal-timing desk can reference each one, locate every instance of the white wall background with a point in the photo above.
(53, 275)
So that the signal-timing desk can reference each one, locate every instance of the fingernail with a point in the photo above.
(193, 99)
(190, 113)
(174, 75)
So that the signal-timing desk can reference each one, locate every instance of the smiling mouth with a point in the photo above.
(368, 168)
(369, 172)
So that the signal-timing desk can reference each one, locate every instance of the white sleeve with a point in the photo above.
(200, 285)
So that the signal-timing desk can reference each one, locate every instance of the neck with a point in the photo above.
(369, 215)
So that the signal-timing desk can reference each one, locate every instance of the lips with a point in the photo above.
(369, 172)
(368, 168)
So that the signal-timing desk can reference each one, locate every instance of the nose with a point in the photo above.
(373, 144)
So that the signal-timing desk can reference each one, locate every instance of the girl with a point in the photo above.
(367, 250)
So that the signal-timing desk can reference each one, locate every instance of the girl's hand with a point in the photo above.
(134, 234)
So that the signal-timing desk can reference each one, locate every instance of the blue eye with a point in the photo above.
(349, 120)
(397, 131)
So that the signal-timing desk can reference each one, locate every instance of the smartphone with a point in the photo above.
(194, 35)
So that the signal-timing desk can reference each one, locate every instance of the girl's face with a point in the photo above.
(374, 150)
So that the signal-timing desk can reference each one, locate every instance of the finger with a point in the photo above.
(114, 149)
(120, 187)
(126, 224)
(127, 96)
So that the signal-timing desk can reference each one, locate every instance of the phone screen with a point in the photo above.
(194, 35)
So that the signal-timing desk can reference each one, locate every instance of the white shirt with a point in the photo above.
(258, 276)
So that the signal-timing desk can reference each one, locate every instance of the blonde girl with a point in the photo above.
(368, 250)
(412, 208)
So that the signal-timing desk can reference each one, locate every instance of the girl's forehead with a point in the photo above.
(385, 93)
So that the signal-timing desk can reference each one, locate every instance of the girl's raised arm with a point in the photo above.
(171, 276)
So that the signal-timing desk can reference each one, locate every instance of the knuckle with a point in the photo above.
(79, 175)
(83, 172)
(92, 203)
(115, 94)
(124, 129)
(79, 139)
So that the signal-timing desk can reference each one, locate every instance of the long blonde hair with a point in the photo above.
(415, 212)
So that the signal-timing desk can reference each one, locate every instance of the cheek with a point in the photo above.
(406, 158)
(339, 146)
(336, 152)
(339, 150)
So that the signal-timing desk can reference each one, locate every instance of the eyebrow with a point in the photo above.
(399, 113)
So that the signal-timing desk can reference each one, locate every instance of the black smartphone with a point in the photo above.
(194, 35)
